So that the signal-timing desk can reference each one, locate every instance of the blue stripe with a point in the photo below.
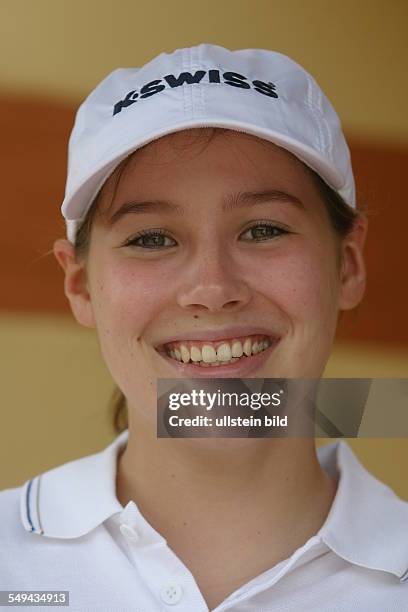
(28, 505)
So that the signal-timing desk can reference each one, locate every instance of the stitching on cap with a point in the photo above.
(191, 93)
(325, 123)
(194, 98)
(190, 53)
(184, 66)
(314, 109)
(201, 90)
(196, 92)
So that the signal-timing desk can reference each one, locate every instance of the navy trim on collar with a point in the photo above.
(366, 525)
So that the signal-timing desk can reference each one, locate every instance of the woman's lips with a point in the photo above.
(239, 369)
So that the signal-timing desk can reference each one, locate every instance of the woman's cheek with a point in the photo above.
(294, 282)
(128, 297)
(313, 273)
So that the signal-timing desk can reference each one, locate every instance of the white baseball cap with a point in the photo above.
(257, 91)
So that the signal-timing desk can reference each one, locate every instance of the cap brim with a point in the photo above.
(76, 205)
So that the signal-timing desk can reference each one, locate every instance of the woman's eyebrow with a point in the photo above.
(231, 202)
(251, 198)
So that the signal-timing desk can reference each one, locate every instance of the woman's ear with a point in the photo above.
(75, 283)
(353, 272)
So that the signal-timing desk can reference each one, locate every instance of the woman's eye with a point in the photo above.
(156, 239)
(151, 239)
(264, 231)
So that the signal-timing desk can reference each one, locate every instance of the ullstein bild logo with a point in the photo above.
(187, 78)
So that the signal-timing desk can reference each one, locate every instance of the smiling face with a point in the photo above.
(201, 246)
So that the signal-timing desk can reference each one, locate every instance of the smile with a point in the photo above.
(215, 354)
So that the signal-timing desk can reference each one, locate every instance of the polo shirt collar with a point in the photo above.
(72, 499)
(366, 524)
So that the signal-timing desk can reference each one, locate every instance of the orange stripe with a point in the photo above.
(34, 137)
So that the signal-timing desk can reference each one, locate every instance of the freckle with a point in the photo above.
(258, 532)
(173, 475)
(196, 317)
(184, 523)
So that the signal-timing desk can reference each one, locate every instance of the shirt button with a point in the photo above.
(171, 593)
(128, 532)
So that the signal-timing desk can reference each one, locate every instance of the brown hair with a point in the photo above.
(342, 218)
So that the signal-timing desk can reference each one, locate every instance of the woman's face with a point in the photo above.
(225, 241)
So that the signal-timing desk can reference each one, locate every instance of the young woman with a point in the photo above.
(212, 232)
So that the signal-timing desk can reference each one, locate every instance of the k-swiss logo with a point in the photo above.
(187, 78)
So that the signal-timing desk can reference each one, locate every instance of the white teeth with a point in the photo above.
(224, 352)
(195, 354)
(247, 347)
(185, 353)
(209, 354)
(236, 349)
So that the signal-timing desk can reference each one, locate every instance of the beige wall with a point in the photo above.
(55, 386)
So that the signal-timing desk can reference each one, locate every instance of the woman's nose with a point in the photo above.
(213, 283)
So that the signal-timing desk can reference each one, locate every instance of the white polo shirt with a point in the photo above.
(66, 530)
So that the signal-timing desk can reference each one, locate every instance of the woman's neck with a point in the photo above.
(199, 494)
(230, 509)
